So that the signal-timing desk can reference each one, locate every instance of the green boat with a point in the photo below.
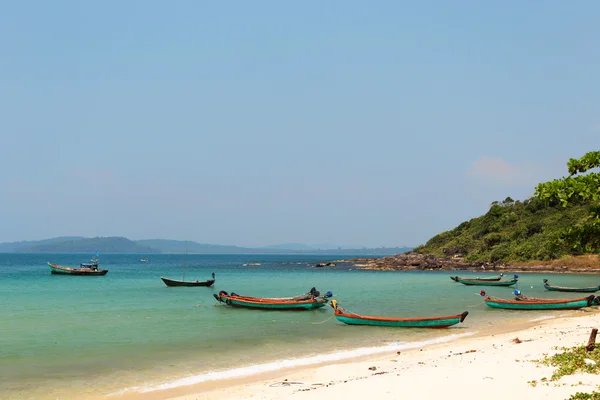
(428, 322)
(540, 304)
(477, 282)
(491, 278)
(309, 301)
(56, 269)
(550, 287)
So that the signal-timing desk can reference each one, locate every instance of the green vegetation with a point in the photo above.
(585, 396)
(563, 218)
(88, 245)
(572, 361)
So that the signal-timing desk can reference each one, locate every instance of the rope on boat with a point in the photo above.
(322, 322)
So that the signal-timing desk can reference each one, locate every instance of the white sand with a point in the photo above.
(491, 367)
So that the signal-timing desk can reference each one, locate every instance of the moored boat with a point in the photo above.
(310, 300)
(477, 282)
(175, 282)
(56, 269)
(525, 303)
(570, 289)
(426, 322)
(492, 278)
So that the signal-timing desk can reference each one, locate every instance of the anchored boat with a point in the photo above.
(56, 269)
(479, 282)
(570, 289)
(526, 303)
(428, 322)
(493, 278)
(310, 300)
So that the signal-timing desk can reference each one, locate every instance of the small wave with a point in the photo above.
(542, 318)
(295, 362)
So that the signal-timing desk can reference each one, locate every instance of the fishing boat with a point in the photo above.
(175, 282)
(56, 269)
(144, 259)
(93, 262)
(492, 278)
(526, 303)
(570, 289)
(308, 301)
(427, 322)
(476, 282)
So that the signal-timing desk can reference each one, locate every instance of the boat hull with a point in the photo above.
(473, 282)
(174, 282)
(432, 322)
(61, 270)
(496, 278)
(285, 304)
(547, 286)
(540, 304)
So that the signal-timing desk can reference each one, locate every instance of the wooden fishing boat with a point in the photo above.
(82, 271)
(180, 283)
(475, 282)
(540, 304)
(175, 282)
(492, 278)
(570, 289)
(428, 322)
(309, 301)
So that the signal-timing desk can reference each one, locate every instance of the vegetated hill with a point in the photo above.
(90, 245)
(10, 247)
(511, 231)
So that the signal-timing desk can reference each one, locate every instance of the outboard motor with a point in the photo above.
(314, 292)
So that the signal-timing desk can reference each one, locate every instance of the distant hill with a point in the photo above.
(13, 247)
(86, 245)
(178, 246)
(78, 244)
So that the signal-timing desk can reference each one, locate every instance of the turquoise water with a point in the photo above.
(97, 335)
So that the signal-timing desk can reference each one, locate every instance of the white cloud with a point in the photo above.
(499, 171)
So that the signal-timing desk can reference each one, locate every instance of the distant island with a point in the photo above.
(80, 244)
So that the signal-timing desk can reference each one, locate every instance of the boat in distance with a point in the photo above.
(56, 269)
(550, 287)
(427, 322)
(175, 282)
(492, 278)
(308, 301)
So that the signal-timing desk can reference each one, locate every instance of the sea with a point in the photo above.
(65, 337)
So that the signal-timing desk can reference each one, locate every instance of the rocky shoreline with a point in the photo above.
(426, 262)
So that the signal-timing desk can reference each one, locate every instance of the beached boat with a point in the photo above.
(175, 282)
(427, 322)
(308, 301)
(183, 283)
(525, 303)
(477, 282)
(492, 278)
(570, 289)
(82, 271)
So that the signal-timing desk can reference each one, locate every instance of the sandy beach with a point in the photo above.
(492, 367)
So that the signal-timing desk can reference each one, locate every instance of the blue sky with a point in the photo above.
(254, 123)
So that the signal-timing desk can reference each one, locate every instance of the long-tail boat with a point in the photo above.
(527, 303)
(476, 282)
(175, 282)
(570, 289)
(427, 322)
(309, 301)
(61, 270)
(492, 278)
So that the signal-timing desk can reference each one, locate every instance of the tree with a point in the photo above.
(578, 186)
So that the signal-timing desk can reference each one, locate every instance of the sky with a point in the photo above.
(255, 123)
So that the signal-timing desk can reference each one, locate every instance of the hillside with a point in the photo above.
(511, 231)
(87, 245)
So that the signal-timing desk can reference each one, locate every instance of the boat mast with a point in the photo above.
(184, 260)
